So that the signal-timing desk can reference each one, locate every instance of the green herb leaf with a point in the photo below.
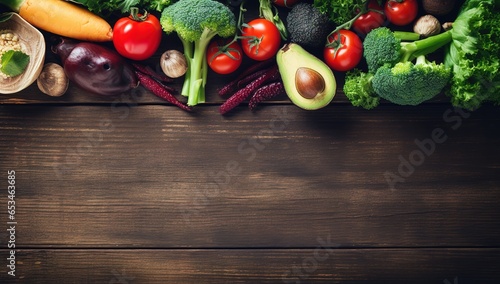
(14, 62)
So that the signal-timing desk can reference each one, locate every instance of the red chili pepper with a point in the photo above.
(243, 82)
(150, 72)
(160, 91)
(233, 86)
(265, 93)
(240, 96)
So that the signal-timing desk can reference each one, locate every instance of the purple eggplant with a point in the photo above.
(96, 68)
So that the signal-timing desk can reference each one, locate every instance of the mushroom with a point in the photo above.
(52, 80)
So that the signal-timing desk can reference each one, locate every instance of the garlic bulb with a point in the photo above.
(427, 25)
(173, 63)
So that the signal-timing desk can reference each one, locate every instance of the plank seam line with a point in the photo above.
(255, 248)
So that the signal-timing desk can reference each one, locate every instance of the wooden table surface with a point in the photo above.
(131, 189)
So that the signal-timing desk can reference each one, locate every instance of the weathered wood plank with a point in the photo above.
(154, 176)
(315, 265)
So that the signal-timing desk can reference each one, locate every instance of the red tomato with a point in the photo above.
(285, 3)
(371, 19)
(344, 54)
(261, 39)
(137, 37)
(401, 12)
(224, 59)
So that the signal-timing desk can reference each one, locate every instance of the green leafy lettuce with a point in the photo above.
(474, 54)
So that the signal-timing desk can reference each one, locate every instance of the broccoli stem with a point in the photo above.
(425, 46)
(204, 78)
(188, 53)
(199, 68)
(196, 75)
(410, 36)
(421, 60)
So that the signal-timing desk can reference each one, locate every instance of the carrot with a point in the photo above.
(62, 18)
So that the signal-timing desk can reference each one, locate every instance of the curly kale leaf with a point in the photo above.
(339, 11)
(359, 90)
(122, 6)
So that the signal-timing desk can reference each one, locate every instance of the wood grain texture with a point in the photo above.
(316, 265)
(129, 189)
(156, 177)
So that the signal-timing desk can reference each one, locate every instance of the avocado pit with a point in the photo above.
(309, 82)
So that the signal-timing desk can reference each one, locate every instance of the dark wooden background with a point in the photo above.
(133, 190)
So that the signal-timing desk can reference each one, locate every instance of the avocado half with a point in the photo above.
(309, 82)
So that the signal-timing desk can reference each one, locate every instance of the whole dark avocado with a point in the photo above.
(308, 27)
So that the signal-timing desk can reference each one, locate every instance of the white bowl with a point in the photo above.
(32, 43)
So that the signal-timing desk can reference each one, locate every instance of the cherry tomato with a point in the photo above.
(224, 59)
(370, 20)
(137, 36)
(344, 54)
(261, 40)
(285, 3)
(401, 12)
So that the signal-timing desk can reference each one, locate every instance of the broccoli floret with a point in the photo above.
(381, 47)
(359, 90)
(196, 22)
(396, 78)
(409, 83)
(307, 26)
